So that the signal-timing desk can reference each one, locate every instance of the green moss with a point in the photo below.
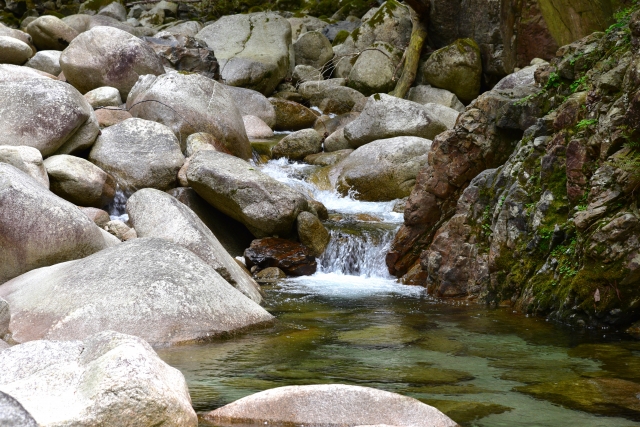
(340, 37)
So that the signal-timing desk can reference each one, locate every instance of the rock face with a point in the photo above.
(107, 56)
(38, 227)
(45, 114)
(293, 258)
(13, 414)
(108, 379)
(266, 206)
(254, 50)
(298, 145)
(330, 405)
(291, 115)
(14, 51)
(154, 213)
(28, 160)
(167, 296)
(49, 32)
(80, 181)
(138, 154)
(385, 169)
(314, 49)
(386, 116)
(456, 68)
(47, 61)
(184, 53)
(189, 104)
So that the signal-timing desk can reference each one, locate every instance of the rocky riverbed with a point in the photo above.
(160, 163)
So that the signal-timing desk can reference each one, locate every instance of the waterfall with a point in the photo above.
(118, 205)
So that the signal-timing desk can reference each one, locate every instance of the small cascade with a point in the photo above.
(118, 205)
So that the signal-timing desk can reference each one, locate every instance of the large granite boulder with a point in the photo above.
(295, 259)
(425, 94)
(49, 32)
(184, 53)
(386, 116)
(298, 145)
(376, 69)
(253, 103)
(45, 114)
(267, 207)
(28, 160)
(314, 49)
(151, 288)
(80, 181)
(154, 213)
(456, 68)
(191, 103)
(139, 154)
(254, 50)
(47, 61)
(107, 56)
(17, 73)
(331, 96)
(107, 379)
(13, 414)
(331, 404)
(383, 170)
(38, 227)
(14, 51)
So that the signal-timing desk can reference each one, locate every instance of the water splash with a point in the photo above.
(118, 205)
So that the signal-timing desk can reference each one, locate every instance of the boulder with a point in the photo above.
(80, 181)
(313, 49)
(203, 141)
(330, 404)
(139, 154)
(16, 73)
(523, 77)
(446, 115)
(104, 97)
(456, 68)
(386, 116)
(253, 103)
(109, 117)
(98, 216)
(17, 34)
(49, 32)
(291, 115)
(45, 114)
(150, 288)
(47, 61)
(154, 213)
(28, 160)
(327, 159)
(331, 96)
(233, 235)
(267, 207)
(39, 228)
(14, 51)
(107, 379)
(312, 233)
(79, 22)
(184, 53)
(336, 142)
(293, 258)
(385, 169)
(254, 50)
(188, 28)
(298, 145)
(306, 73)
(424, 94)
(375, 69)
(326, 125)
(256, 128)
(114, 10)
(191, 103)
(107, 56)
(12, 413)
(269, 275)
(332, 30)
(121, 231)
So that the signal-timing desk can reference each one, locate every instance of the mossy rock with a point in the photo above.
(464, 412)
(388, 335)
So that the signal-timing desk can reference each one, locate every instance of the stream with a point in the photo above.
(351, 323)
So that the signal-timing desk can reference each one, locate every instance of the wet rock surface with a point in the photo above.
(293, 258)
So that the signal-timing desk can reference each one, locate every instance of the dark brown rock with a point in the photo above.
(109, 117)
(293, 258)
(291, 115)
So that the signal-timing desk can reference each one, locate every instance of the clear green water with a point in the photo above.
(481, 367)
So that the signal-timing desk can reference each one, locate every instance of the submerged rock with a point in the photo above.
(167, 296)
(331, 404)
(107, 379)
(293, 258)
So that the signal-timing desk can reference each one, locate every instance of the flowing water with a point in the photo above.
(351, 323)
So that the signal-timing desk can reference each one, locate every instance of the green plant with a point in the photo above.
(622, 18)
(583, 124)
(580, 84)
(554, 81)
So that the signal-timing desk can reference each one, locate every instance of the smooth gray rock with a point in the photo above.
(233, 186)
(524, 77)
(424, 94)
(189, 28)
(331, 96)
(386, 116)
(385, 169)
(139, 154)
(330, 405)
(298, 145)
(306, 73)
(313, 49)
(107, 56)
(114, 10)
(105, 96)
(12, 413)
(375, 69)
(148, 287)
(28, 160)
(79, 22)
(17, 34)
(190, 104)
(17, 73)
(51, 33)
(154, 213)
(80, 181)
(47, 61)
(336, 142)
(39, 228)
(253, 103)
(14, 51)
(254, 50)
(108, 379)
(446, 115)
(45, 114)
(256, 128)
